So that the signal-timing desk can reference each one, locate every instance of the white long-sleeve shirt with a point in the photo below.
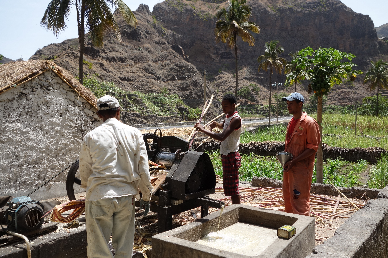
(114, 162)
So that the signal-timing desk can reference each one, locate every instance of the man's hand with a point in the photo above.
(199, 127)
(213, 125)
(145, 205)
(289, 164)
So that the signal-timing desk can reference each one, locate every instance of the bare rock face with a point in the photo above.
(295, 24)
(382, 31)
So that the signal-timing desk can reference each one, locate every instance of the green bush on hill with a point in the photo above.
(159, 104)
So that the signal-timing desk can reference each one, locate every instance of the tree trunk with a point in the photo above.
(270, 91)
(319, 165)
(235, 52)
(81, 39)
(377, 102)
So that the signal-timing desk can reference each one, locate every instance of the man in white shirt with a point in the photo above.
(113, 167)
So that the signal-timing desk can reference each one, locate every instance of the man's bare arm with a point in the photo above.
(234, 124)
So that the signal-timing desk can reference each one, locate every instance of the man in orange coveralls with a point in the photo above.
(302, 141)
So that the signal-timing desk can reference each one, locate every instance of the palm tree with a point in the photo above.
(232, 22)
(377, 77)
(271, 60)
(99, 18)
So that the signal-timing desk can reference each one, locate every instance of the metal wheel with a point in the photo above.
(152, 143)
(71, 180)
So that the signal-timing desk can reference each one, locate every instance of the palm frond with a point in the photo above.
(55, 16)
(127, 14)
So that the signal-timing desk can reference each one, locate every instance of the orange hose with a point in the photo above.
(78, 207)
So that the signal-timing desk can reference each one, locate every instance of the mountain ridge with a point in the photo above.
(173, 46)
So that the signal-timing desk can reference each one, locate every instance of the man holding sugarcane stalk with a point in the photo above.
(230, 141)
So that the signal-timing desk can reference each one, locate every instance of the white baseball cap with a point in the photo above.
(294, 96)
(107, 102)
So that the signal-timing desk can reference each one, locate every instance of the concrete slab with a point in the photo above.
(183, 241)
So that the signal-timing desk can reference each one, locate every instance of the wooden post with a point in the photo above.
(277, 103)
(319, 164)
(355, 122)
(204, 92)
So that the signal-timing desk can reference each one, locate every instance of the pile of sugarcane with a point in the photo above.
(323, 207)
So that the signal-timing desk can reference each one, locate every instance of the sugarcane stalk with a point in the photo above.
(194, 131)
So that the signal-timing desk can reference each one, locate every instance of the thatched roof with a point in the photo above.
(16, 73)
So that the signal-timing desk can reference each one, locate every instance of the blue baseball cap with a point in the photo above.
(294, 96)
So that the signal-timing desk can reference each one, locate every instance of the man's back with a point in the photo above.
(113, 155)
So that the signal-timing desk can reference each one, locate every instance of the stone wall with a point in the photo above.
(42, 124)
(269, 148)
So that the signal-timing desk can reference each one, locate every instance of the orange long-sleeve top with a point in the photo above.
(305, 135)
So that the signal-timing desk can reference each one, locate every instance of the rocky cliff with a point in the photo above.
(382, 31)
(295, 24)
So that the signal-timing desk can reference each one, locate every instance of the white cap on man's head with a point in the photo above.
(294, 96)
(107, 102)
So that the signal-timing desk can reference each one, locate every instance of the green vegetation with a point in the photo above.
(89, 64)
(265, 133)
(246, 93)
(377, 78)
(378, 176)
(160, 104)
(340, 173)
(338, 131)
(232, 22)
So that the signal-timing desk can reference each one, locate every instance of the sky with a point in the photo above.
(21, 34)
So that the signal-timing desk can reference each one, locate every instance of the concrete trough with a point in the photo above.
(240, 231)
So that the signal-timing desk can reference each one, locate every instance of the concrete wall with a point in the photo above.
(42, 123)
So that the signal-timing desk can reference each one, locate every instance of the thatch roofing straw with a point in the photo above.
(16, 73)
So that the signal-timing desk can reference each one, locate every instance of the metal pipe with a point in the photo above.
(25, 239)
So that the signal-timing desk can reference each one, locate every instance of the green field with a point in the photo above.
(338, 131)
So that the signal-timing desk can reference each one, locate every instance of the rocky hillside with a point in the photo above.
(5, 60)
(142, 61)
(382, 31)
(172, 47)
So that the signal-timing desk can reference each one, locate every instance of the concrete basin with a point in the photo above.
(241, 231)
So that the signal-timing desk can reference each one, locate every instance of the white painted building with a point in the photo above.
(44, 114)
